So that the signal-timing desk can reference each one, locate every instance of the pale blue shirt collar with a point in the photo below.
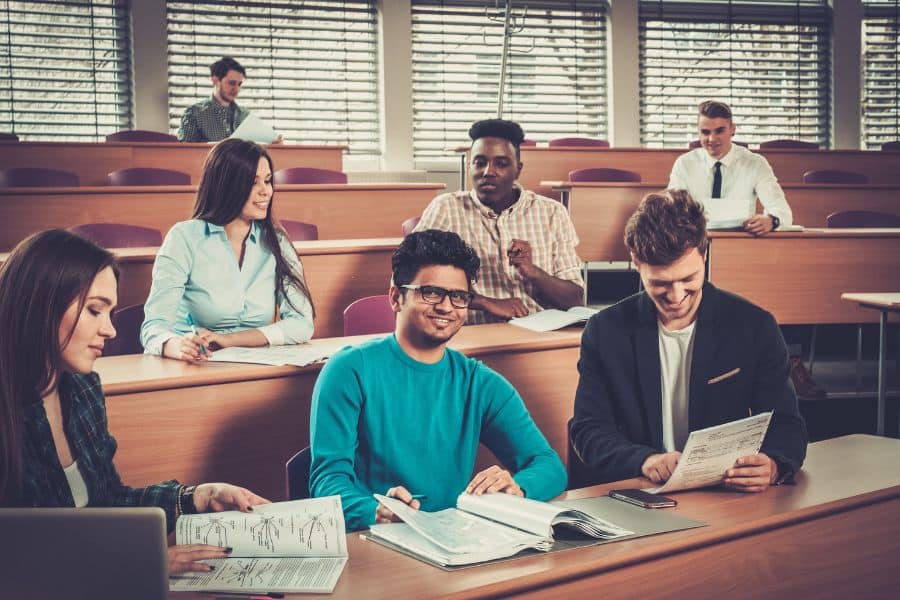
(255, 228)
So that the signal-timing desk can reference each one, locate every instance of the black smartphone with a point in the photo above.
(642, 498)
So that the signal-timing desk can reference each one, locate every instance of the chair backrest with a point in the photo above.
(118, 235)
(296, 475)
(372, 314)
(8, 137)
(834, 176)
(788, 145)
(37, 177)
(127, 323)
(308, 175)
(148, 176)
(408, 225)
(140, 135)
(604, 174)
(861, 218)
(298, 231)
(890, 146)
(527, 142)
(579, 141)
(696, 144)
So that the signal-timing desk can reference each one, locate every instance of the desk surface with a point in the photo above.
(835, 530)
(884, 301)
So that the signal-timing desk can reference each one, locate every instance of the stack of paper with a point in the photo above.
(552, 319)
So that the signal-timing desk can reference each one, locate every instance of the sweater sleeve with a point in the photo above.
(513, 437)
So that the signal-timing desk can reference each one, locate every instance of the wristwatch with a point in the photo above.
(186, 500)
(775, 222)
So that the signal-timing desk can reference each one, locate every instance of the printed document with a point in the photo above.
(292, 354)
(256, 130)
(708, 453)
(297, 546)
(553, 318)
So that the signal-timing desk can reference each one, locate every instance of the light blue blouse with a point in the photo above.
(196, 276)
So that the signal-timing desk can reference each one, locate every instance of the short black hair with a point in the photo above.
(221, 67)
(498, 128)
(713, 109)
(433, 247)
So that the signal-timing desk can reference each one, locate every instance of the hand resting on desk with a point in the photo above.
(754, 473)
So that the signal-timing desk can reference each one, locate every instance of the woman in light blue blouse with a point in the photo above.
(230, 270)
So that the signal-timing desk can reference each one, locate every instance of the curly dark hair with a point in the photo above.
(433, 247)
(498, 128)
(666, 225)
(221, 67)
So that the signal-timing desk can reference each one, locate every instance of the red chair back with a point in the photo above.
(890, 146)
(788, 145)
(308, 175)
(298, 231)
(127, 323)
(834, 176)
(372, 314)
(118, 235)
(37, 177)
(148, 176)
(579, 141)
(140, 135)
(862, 218)
(8, 137)
(604, 174)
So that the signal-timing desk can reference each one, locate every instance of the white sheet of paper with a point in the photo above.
(293, 354)
(256, 130)
(553, 318)
(708, 453)
(260, 575)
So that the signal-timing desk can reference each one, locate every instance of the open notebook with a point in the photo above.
(484, 528)
(296, 546)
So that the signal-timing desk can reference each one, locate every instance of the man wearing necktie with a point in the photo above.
(727, 178)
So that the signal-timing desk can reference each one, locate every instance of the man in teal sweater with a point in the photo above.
(404, 414)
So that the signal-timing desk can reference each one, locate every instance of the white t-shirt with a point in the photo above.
(77, 485)
(675, 352)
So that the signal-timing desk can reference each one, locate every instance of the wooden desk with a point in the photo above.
(799, 276)
(884, 304)
(92, 161)
(240, 423)
(543, 163)
(834, 534)
(600, 210)
(340, 211)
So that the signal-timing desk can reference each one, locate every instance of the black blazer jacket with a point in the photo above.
(739, 368)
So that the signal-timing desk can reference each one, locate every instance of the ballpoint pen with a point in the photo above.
(190, 321)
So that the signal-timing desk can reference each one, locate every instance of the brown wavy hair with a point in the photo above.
(665, 225)
(42, 277)
(225, 185)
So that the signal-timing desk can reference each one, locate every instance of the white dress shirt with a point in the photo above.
(746, 176)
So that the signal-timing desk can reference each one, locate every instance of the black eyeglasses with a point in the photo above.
(433, 294)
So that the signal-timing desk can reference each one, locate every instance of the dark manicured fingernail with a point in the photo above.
(227, 549)
(250, 508)
(211, 567)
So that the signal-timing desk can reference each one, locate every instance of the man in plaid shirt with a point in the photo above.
(526, 242)
(216, 118)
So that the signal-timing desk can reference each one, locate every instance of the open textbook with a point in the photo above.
(553, 318)
(709, 452)
(297, 546)
(483, 528)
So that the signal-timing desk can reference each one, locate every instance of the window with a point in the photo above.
(65, 68)
(556, 70)
(881, 73)
(768, 59)
(312, 67)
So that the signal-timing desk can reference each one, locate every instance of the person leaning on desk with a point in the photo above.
(230, 269)
(404, 414)
(679, 356)
(57, 293)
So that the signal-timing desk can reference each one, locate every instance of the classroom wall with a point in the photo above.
(150, 81)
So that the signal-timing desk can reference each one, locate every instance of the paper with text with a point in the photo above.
(256, 130)
(708, 453)
(553, 318)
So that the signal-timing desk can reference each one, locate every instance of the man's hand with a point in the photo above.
(759, 225)
(659, 467)
(494, 479)
(754, 473)
(505, 308)
(519, 253)
(384, 515)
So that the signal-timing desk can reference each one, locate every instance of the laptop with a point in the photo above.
(83, 553)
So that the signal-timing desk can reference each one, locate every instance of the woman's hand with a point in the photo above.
(216, 497)
(190, 348)
(183, 559)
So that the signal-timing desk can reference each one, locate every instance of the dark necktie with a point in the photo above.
(717, 181)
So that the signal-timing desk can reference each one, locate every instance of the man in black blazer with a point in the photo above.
(679, 356)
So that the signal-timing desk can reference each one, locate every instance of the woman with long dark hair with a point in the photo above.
(222, 278)
(57, 294)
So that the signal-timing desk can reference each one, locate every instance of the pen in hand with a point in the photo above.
(190, 321)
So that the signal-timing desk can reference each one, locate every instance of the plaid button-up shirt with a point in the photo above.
(209, 121)
(542, 222)
(84, 414)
